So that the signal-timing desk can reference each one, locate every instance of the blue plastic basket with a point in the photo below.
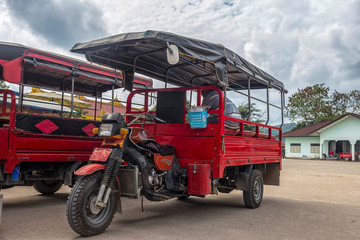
(198, 119)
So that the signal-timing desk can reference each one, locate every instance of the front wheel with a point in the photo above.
(83, 215)
(254, 195)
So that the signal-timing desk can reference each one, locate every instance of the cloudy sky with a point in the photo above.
(299, 42)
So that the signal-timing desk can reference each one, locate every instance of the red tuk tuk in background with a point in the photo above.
(166, 151)
(42, 142)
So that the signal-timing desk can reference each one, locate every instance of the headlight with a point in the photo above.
(105, 130)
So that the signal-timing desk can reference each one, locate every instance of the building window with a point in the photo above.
(295, 147)
(314, 148)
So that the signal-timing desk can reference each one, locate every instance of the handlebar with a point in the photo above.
(150, 116)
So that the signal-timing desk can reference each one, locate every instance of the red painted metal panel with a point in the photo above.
(4, 142)
(100, 154)
(199, 179)
(188, 148)
(12, 71)
(244, 151)
(36, 147)
(37, 142)
(89, 169)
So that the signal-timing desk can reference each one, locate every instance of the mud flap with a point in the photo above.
(1, 203)
(242, 178)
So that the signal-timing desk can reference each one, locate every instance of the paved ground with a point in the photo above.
(316, 200)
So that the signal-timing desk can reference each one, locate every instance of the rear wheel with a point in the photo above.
(254, 195)
(83, 215)
(48, 187)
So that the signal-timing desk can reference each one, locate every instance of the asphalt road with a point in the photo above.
(316, 200)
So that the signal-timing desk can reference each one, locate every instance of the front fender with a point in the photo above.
(89, 169)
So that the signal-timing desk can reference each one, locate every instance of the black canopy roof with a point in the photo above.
(200, 61)
(55, 71)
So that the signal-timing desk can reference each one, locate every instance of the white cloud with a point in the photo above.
(299, 42)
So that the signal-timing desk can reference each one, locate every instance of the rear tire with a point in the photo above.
(253, 197)
(48, 187)
(82, 214)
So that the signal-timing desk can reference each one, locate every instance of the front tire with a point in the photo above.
(253, 197)
(82, 214)
(48, 187)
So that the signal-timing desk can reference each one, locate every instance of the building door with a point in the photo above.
(343, 147)
(332, 146)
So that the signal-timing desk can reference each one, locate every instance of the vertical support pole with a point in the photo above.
(21, 89)
(4, 103)
(95, 109)
(198, 102)
(62, 103)
(62, 97)
(267, 106)
(249, 99)
(225, 100)
(72, 95)
(112, 98)
(185, 110)
(146, 106)
(242, 129)
(270, 133)
(167, 77)
(191, 94)
(282, 108)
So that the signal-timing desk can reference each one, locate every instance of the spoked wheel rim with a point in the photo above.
(257, 190)
(94, 214)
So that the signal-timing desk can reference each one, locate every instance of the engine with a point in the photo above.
(156, 180)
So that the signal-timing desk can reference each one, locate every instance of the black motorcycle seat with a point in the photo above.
(164, 150)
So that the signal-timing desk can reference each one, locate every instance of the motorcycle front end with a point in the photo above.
(95, 197)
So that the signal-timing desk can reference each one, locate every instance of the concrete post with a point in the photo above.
(321, 150)
(352, 144)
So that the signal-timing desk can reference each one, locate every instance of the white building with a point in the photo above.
(342, 136)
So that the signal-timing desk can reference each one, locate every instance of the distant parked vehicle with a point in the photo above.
(44, 149)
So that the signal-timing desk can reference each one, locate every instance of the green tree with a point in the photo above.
(256, 114)
(315, 104)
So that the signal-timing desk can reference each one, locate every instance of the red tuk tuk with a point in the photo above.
(46, 148)
(165, 152)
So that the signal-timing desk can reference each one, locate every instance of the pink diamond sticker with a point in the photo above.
(88, 129)
(46, 126)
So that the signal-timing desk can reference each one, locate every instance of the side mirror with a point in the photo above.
(172, 53)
